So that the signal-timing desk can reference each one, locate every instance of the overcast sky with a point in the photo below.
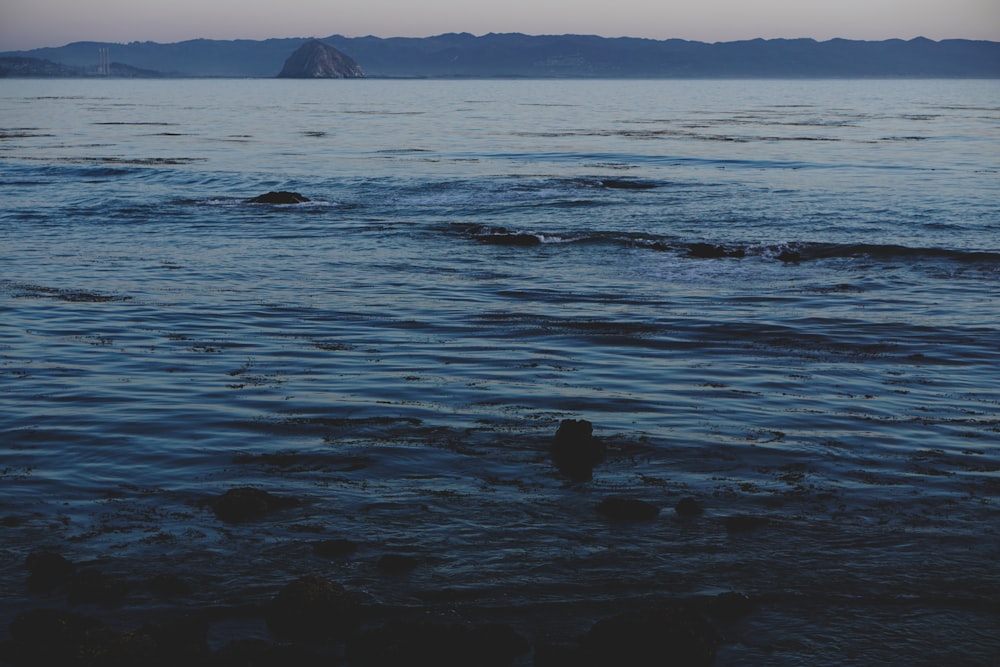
(26, 24)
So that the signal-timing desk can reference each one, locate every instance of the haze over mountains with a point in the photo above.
(519, 55)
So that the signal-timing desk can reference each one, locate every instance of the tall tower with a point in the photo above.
(103, 61)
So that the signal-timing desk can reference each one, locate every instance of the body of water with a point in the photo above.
(780, 299)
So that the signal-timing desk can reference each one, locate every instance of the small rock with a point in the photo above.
(259, 653)
(688, 507)
(313, 607)
(575, 450)
(113, 648)
(182, 640)
(49, 637)
(334, 548)
(624, 184)
(627, 509)
(94, 586)
(279, 198)
(670, 636)
(168, 585)
(554, 654)
(397, 563)
(730, 607)
(245, 503)
(712, 251)
(438, 644)
(512, 239)
(742, 523)
(49, 571)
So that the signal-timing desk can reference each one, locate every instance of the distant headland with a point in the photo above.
(514, 55)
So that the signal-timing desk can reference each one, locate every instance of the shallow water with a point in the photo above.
(778, 298)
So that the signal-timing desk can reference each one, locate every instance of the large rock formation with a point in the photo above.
(316, 60)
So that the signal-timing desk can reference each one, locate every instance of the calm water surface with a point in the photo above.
(781, 299)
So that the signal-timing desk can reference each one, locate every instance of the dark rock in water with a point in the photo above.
(623, 184)
(510, 238)
(313, 607)
(730, 607)
(334, 548)
(279, 198)
(671, 636)
(575, 450)
(182, 640)
(790, 256)
(168, 585)
(397, 563)
(49, 571)
(440, 644)
(49, 637)
(46, 637)
(553, 654)
(743, 523)
(688, 507)
(712, 251)
(316, 60)
(259, 653)
(94, 586)
(627, 509)
(246, 502)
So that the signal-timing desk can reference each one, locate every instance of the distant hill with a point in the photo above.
(571, 56)
(18, 66)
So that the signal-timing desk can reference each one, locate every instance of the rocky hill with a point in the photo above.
(316, 60)
(571, 56)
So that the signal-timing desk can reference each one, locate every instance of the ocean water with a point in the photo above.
(779, 298)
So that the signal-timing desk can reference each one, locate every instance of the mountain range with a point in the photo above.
(539, 56)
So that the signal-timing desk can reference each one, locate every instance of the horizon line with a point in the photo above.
(488, 34)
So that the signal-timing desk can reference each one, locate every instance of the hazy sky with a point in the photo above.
(28, 24)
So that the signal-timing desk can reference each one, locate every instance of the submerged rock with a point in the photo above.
(628, 509)
(510, 238)
(281, 197)
(789, 256)
(168, 585)
(316, 60)
(712, 251)
(48, 637)
(397, 563)
(671, 636)
(625, 184)
(313, 607)
(94, 586)
(334, 548)
(439, 644)
(246, 502)
(575, 451)
(688, 507)
(744, 523)
(49, 571)
(730, 607)
(259, 653)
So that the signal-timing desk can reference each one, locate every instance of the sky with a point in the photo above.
(27, 24)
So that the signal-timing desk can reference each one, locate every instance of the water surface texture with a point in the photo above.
(780, 299)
